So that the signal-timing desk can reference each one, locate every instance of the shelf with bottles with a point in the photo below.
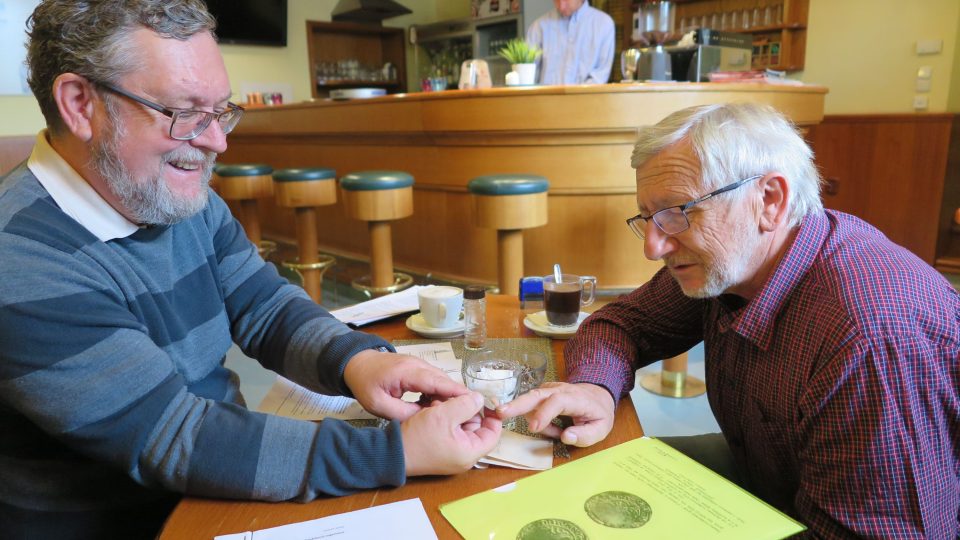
(443, 63)
(350, 55)
(778, 27)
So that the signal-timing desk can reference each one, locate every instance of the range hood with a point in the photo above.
(367, 11)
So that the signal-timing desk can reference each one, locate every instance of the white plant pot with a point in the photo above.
(526, 73)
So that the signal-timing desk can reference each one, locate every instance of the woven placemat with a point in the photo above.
(518, 345)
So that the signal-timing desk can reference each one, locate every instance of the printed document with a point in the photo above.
(639, 489)
(381, 308)
(287, 398)
(404, 520)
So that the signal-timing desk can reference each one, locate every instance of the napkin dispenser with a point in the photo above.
(474, 74)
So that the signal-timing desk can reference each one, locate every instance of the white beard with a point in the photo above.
(722, 275)
(150, 201)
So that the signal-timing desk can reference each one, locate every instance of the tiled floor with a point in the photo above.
(659, 416)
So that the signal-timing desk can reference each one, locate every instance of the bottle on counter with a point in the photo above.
(474, 317)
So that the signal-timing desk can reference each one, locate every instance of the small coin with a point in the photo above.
(618, 510)
(551, 529)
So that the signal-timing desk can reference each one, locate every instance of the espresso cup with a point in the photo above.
(440, 306)
(563, 299)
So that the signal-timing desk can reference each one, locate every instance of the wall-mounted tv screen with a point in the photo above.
(250, 22)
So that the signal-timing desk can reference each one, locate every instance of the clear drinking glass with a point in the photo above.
(494, 376)
(534, 370)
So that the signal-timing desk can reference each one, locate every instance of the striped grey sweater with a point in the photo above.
(112, 383)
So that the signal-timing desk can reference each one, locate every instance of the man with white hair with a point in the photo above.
(831, 353)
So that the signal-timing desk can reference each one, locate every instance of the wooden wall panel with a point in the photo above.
(948, 234)
(888, 170)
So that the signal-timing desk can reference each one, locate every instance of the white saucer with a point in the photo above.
(538, 323)
(416, 323)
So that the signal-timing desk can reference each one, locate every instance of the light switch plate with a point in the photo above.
(923, 85)
(929, 46)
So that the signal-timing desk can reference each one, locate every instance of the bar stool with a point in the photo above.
(304, 190)
(673, 381)
(379, 197)
(245, 184)
(510, 203)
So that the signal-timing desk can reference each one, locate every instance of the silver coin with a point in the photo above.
(551, 529)
(618, 510)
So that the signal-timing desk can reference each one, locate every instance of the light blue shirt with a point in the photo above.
(576, 49)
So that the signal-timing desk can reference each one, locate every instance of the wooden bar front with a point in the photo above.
(578, 137)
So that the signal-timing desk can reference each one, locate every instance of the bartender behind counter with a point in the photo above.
(577, 42)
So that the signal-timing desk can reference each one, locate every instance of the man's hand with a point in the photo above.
(590, 406)
(378, 380)
(448, 437)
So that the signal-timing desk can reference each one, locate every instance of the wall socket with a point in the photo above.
(921, 102)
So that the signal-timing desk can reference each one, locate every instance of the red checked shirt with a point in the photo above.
(836, 387)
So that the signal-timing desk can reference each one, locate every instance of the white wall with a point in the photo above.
(863, 50)
(290, 64)
(953, 102)
(247, 64)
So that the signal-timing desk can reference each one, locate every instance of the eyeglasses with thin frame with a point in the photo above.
(673, 219)
(186, 124)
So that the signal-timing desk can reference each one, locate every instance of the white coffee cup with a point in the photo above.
(440, 305)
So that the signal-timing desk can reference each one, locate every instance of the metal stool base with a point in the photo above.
(673, 384)
(266, 248)
(324, 262)
(400, 281)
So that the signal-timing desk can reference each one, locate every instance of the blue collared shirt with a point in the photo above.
(576, 49)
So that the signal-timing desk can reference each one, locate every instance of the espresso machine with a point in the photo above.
(713, 50)
(692, 59)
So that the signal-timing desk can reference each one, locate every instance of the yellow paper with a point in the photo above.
(639, 489)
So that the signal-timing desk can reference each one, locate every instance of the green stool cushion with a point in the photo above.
(376, 180)
(299, 175)
(244, 169)
(508, 184)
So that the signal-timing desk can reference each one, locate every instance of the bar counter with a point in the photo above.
(578, 137)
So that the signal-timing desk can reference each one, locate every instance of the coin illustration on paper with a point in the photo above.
(618, 510)
(551, 529)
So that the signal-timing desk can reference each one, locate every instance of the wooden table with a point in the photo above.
(205, 518)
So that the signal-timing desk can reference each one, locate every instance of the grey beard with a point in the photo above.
(150, 201)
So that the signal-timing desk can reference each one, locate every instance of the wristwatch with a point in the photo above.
(381, 348)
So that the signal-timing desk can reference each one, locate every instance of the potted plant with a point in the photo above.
(521, 56)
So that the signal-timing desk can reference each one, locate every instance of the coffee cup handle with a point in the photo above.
(588, 283)
(441, 311)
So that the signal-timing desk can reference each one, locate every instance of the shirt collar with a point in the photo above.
(74, 195)
(575, 16)
(756, 321)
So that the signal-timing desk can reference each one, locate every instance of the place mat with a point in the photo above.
(520, 345)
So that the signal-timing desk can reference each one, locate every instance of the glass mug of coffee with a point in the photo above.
(562, 300)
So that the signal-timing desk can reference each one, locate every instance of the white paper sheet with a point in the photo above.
(403, 520)
(381, 308)
(519, 451)
(287, 398)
